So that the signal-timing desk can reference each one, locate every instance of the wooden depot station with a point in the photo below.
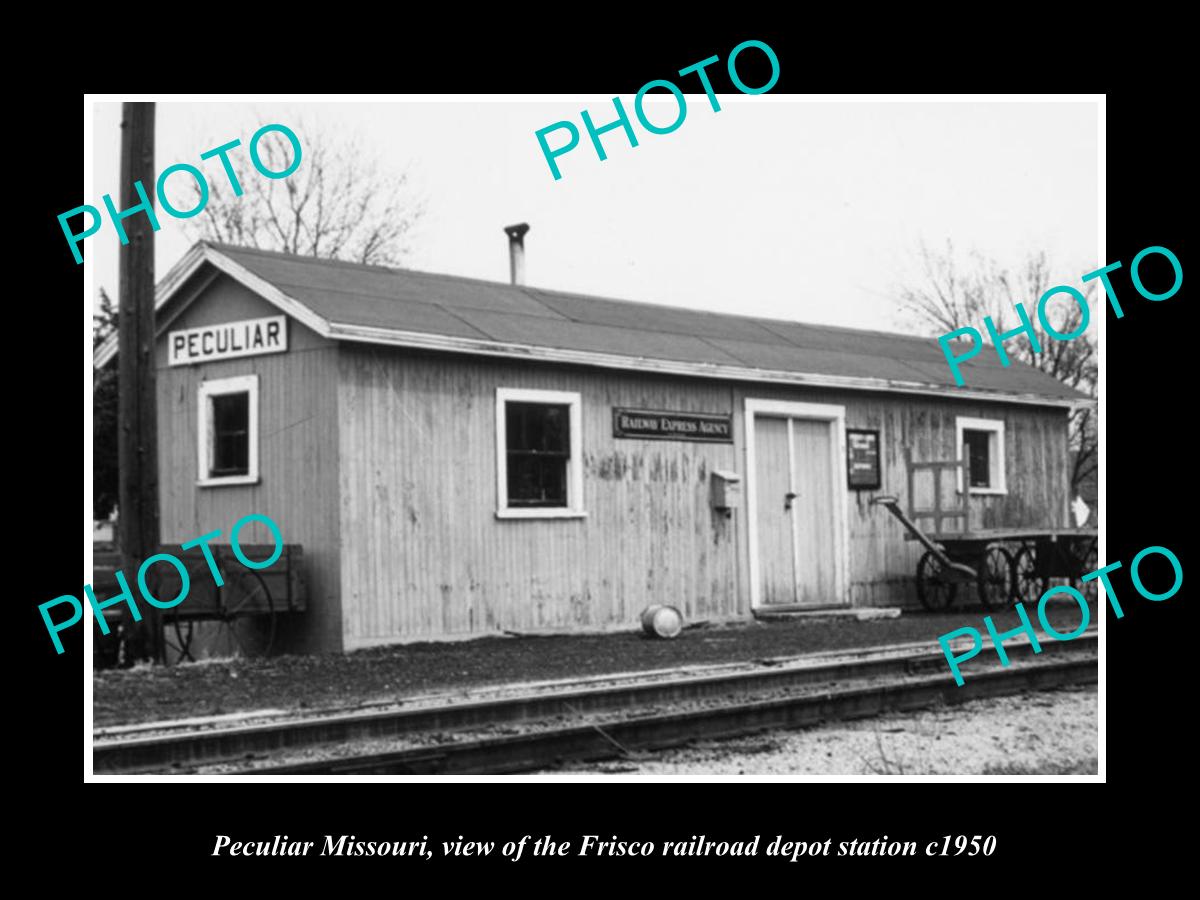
(461, 458)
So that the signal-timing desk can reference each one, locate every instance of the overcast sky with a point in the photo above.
(773, 206)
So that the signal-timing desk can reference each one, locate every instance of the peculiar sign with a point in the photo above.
(249, 337)
(672, 426)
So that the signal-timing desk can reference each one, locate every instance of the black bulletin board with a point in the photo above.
(862, 459)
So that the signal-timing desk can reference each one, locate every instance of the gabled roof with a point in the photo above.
(374, 304)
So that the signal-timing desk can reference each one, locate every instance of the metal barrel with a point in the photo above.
(662, 621)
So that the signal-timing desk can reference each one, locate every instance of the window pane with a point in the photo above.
(977, 446)
(538, 451)
(537, 480)
(231, 434)
(539, 427)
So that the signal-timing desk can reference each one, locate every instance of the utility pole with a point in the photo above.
(137, 443)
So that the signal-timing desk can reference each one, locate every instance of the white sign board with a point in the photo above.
(250, 337)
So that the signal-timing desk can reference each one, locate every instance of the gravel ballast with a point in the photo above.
(155, 693)
(1046, 733)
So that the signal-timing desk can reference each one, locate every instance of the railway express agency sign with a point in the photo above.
(672, 426)
(249, 337)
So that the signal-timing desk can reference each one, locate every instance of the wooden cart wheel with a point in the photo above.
(933, 590)
(243, 628)
(177, 640)
(178, 629)
(995, 578)
(1087, 561)
(1027, 585)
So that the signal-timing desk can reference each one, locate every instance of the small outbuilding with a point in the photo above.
(461, 457)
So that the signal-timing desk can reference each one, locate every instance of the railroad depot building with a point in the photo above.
(461, 458)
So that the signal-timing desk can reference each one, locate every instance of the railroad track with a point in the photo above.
(603, 717)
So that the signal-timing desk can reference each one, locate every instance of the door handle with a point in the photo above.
(787, 500)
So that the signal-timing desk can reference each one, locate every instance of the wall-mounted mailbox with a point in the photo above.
(726, 491)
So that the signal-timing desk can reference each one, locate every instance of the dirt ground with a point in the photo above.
(145, 693)
(1048, 733)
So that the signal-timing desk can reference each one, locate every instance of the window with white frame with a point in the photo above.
(539, 472)
(227, 431)
(981, 445)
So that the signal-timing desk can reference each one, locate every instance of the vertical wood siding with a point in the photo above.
(882, 564)
(381, 462)
(816, 488)
(423, 555)
(298, 457)
(423, 552)
(775, 526)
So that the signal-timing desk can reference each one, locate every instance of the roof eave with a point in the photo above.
(422, 341)
(198, 254)
(163, 291)
(202, 252)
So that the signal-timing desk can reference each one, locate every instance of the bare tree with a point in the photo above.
(956, 292)
(339, 204)
(105, 465)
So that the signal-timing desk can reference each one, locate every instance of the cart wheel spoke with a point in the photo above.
(247, 614)
(1027, 584)
(269, 628)
(934, 590)
(177, 640)
(1088, 561)
(995, 579)
(244, 593)
(233, 631)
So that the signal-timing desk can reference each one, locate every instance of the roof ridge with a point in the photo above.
(528, 291)
(299, 257)
(811, 347)
(557, 316)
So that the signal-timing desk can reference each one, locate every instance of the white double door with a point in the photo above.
(796, 511)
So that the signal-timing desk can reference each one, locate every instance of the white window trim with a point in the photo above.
(574, 509)
(204, 444)
(997, 460)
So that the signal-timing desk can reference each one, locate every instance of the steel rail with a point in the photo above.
(540, 749)
(173, 750)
